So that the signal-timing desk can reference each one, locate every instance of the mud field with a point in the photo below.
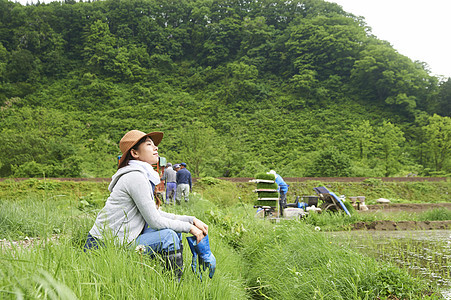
(407, 207)
(384, 225)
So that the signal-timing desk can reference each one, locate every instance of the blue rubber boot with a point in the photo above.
(206, 258)
(191, 243)
(203, 253)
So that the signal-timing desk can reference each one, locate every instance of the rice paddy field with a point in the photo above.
(43, 225)
(425, 253)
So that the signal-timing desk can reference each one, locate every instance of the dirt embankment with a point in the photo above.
(407, 207)
(385, 225)
(404, 225)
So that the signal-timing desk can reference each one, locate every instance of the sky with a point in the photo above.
(417, 29)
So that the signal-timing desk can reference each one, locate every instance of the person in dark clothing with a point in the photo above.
(184, 184)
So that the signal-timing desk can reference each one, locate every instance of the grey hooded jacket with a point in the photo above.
(131, 205)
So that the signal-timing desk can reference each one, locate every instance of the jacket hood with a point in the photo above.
(122, 171)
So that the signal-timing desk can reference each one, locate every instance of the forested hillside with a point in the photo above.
(237, 86)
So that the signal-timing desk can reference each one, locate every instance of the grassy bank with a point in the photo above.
(256, 259)
(85, 198)
(372, 189)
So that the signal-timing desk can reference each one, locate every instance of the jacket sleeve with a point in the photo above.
(140, 190)
(189, 219)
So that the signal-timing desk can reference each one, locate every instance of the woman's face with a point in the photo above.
(146, 152)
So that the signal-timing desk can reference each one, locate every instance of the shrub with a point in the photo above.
(436, 214)
(208, 181)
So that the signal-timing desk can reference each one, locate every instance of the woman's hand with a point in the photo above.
(197, 233)
(201, 225)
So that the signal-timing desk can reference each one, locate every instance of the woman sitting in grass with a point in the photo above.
(132, 214)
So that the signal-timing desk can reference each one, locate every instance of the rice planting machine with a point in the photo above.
(270, 206)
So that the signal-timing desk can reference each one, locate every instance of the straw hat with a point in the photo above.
(132, 137)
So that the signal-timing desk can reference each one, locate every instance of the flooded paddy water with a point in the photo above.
(425, 253)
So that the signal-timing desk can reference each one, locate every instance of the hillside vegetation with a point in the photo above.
(238, 87)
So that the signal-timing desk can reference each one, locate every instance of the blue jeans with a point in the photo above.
(171, 191)
(155, 241)
(163, 240)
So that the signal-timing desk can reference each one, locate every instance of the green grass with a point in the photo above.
(296, 263)
(61, 268)
(255, 258)
(110, 273)
(31, 217)
(330, 221)
(396, 192)
(423, 253)
(265, 176)
(437, 214)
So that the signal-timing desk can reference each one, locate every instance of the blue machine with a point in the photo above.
(330, 200)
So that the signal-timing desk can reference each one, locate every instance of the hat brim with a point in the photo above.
(156, 137)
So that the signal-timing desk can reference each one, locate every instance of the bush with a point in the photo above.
(437, 214)
(208, 181)
(391, 282)
(330, 162)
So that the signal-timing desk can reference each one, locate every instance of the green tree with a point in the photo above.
(54, 59)
(100, 47)
(198, 142)
(3, 62)
(38, 137)
(438, 140)
(305, 83)
(330, 163)
(102, 145)
(326, 45)
(264, 84)
(444, 99)
(389, 139)
(239, 83)
(23, 66)
(223, 42)
(383, 75)
(257, 41)
(362, 139)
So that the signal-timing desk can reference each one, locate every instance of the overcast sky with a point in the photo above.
(418, 29)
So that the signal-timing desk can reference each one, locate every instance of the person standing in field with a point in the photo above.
(169, 178)
(184, 184)
(282, 188)
(132, 215)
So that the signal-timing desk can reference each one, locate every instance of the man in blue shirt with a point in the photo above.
(184, 184)
(282, 188)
